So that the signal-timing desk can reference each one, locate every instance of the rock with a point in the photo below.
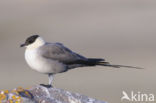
(40, 94)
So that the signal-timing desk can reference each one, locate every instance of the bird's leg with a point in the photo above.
(50, 81)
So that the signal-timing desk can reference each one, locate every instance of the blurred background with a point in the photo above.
(121, 31)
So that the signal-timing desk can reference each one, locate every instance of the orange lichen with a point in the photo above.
(6, 91)
(19, 89)
(2, 96)
(16, 98)
(11, 101)
(15, 91)
(27, 93)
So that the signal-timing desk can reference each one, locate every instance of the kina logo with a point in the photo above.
(137, 97)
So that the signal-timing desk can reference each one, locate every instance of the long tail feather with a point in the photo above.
(116, 66)
(102, 62)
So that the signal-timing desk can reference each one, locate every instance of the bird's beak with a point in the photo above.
(22, 45)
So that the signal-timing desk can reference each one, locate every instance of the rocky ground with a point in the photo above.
(40, 94)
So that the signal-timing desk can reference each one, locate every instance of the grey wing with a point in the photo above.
(59, 52)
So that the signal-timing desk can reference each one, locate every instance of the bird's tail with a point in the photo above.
(102, 62)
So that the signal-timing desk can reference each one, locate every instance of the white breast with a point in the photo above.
(31, 59)
(40, 64)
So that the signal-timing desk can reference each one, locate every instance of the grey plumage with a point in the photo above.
(60, 53)
(57, 51)
(53, 58)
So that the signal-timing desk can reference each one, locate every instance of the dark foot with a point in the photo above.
(47, 86)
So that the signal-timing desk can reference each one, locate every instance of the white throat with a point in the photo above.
(38, 42)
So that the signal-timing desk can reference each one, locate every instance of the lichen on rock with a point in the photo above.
(40, 94)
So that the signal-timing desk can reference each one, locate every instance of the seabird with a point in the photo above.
(53, 58)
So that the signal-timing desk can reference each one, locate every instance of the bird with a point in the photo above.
(53, 58)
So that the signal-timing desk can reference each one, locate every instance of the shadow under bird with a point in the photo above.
(53, 58)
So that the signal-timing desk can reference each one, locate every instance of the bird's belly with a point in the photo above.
(43, 65)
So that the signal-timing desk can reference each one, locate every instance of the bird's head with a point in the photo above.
(33, 41)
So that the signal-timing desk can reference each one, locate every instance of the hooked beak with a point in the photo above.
(22, 45)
